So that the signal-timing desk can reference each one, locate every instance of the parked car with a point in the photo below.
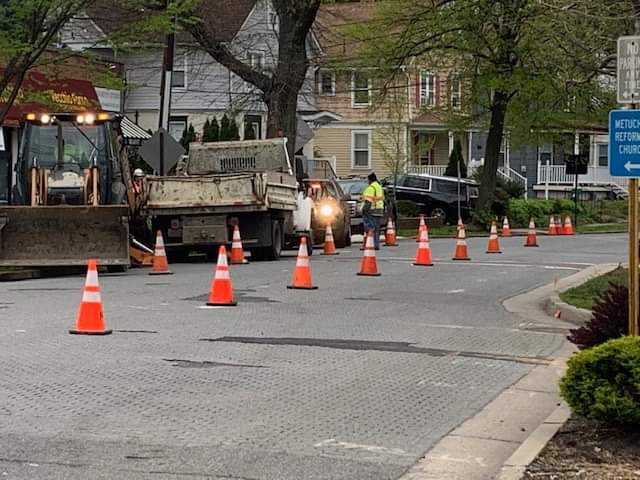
(436, 196)
(330, 206)
(353, 188)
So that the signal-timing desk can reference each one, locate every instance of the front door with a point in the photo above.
(5, 164)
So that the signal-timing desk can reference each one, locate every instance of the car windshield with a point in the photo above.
(353, 187)
(79, 149)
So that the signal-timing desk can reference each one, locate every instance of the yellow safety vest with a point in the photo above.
(375, 194)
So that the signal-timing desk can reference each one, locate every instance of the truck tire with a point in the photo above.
(273, 251)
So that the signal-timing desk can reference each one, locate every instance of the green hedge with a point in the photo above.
(603, 383)
(520, 211)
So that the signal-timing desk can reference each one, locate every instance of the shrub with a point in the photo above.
(603, 383)
(456, 159)
(407, 208)
(610, 319)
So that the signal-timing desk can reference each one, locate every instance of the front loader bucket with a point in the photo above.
(63, 235)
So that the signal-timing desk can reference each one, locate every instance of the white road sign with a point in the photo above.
(629, 69)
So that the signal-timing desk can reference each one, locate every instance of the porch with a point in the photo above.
(554, 178)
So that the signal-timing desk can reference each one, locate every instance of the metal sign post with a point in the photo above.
(634, 292)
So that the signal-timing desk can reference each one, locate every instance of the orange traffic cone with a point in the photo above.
(532, 240)
(302, 272)
(553, 228)
(90, 319)
(159, 265)
(237, 252)
(568, 227)
(459, 227)
(390, 235)
(369, 265)
(329, 244)
(506, 229)
(494, 243)
(421, 227)
(559, 227)
(423, 255)
(461, 252)
(221, 293)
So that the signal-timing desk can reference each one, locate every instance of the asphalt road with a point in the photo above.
(356, 380)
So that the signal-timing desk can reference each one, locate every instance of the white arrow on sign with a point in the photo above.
(631, 166)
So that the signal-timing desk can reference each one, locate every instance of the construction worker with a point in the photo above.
(138, 175)
(373, 208)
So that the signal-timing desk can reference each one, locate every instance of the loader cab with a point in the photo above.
(59, 157)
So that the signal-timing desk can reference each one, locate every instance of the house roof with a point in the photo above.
(221, 17)
(332, 21)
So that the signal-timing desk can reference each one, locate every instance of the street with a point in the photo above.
(355, 380)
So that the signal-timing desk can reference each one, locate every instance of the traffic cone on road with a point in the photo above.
(421, 227)
(559, 227)
(302, 272)
(237, 252)
(461, 252)
(90, 319)
(423, 255)
(459, 226)
(568, 227)
(160, 265)
(390, 235)
(329, 244)
(553, 228)
(494, 243)
(506, 229)
(221, 292)
(532, 240)
(369, 265)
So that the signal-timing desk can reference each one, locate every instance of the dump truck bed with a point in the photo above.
(219, 193)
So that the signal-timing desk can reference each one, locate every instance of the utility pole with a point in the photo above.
(166, 82)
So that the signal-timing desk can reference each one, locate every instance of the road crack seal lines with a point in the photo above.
(379, 346)
(205, 364)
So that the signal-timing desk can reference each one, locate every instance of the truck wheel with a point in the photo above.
(272, 252)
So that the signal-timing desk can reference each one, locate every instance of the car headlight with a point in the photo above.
(327, 210)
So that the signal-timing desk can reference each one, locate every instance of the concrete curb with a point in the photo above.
(18, 275)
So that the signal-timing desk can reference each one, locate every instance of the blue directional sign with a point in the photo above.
(624, 143)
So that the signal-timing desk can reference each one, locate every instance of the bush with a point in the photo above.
(520, 211)
(407, 208)
(610, 319)
(603, 383)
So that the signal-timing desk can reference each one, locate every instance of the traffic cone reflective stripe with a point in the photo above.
(506, 229)
(568, 227)
(390, 235)
(494, 243)
(421, 227)
(461, 252)
(423, 255)
(159, 265)
(90, 319)
(237, 252)
(221, 292)
(553, 228)
(302, 272)
(329, 244)
(532, 240)
(459, 227)
(369, 264)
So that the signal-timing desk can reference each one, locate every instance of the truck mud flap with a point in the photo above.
(63, 235)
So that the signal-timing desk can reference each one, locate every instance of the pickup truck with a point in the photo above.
(221, 184)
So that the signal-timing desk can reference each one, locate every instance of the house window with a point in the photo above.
(427, 89)
(252, 123)
(423, 150)
(326, 83)
(361, 86)
(603, 155)
(177, 126)
(545, 153)
(456, 93)
(361, 149)
(179, 74)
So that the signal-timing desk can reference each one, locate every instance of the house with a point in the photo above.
(201, 87)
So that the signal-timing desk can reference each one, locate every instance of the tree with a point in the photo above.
(225, 129)
(27, 29)
(456, 159)
(234, 132)
(527, 64)
(281, 84)
(215, 130)
(206, 131)
(188, 136)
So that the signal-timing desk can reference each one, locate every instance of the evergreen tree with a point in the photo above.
(454, 159)
(225, 134)
(188, 136)
(206, 131)
(249, 132)
(215, 130)
(234, 131)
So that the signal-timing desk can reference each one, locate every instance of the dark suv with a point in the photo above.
(436, 196)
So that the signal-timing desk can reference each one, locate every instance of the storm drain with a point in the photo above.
(204, 364)
(369, 345)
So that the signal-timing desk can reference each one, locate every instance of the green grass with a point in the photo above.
(446, 231)
(583, 296)
(603, 228)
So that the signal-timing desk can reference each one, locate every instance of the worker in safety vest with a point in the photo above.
(373, 208)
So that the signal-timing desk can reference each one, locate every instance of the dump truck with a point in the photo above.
(69, 200)
(219, 185)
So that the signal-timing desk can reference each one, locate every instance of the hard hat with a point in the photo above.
(138, 172)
